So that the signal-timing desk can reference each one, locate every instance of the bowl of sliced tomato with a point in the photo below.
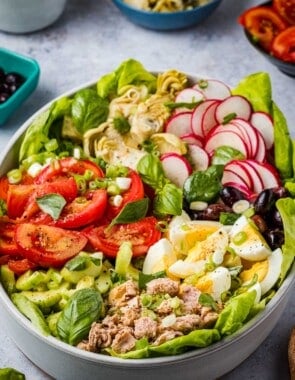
(146, 226)
(270, 29)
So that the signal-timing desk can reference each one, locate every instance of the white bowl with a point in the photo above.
(64, 362)
(24, 16)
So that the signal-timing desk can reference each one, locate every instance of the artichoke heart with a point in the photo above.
(169, 143)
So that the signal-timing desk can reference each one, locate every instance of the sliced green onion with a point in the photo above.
(14, 176)
(51, 145)
(240, 238)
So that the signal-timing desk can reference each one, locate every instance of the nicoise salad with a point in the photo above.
(150, 213)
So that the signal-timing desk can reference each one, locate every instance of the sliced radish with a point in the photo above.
(191, 138)
(199, 117)
(179, 124)
(264, 124)
(230, 176)
(189, 95)
(228, 136)
(209, 120)
(235, 167)
(268, 174)
(261, 150)
(257, 184)
(250, 134)
(213, 89)
(199, 158)
(244, 189)
(233, 105)
(176, 168)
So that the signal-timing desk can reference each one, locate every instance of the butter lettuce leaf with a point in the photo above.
(286, 207)
(235, 313)
(130, 72)
(195, 339)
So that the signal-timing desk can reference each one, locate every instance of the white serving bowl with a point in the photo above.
(64, 362)
(24, 16)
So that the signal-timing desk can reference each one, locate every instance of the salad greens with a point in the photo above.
(11, 374)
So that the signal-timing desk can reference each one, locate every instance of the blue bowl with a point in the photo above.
(167, 20)
(287, 68)
(29, 69)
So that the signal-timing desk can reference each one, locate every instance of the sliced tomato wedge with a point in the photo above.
(283, 46)
(83, 210)
(141, 234)
(20, 266)
(21, 199)
(4, 184)
(263, 23)
(134, 193)
(66, 167)
(286, 9)
(8, 245)
(48, 245)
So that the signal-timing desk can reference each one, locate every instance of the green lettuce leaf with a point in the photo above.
(130, 72)
(195, 339)
(286, 207)
(235, 313)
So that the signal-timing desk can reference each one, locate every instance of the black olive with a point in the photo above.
(275, 238)
(281, 192)
(212, 212)
(3, 97)
(14, 79)
(2, 75)
(265, 201)
(274, 218)
(230, 195)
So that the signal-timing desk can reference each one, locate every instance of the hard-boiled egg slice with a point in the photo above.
(215, 282)
(247, 241)
(183, 269)
(185, 233)
(159, 257)
(268, 271)
(213, 248)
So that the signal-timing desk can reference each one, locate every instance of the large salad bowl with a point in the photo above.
(65, 362)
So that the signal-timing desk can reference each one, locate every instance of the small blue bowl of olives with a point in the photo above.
(19, 76)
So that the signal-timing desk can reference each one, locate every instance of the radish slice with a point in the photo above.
(235, 167)
(257, 184)
(176, 168)
(264, 124)
(268, 174)
(250, 134)
(203, 121)
(199, 158)
(189, 95)
(213, 89)
(230, 176)
(243, 189)
(191, 138)
(179, 124)
(236, 105)
(261, 150)
(226, 137)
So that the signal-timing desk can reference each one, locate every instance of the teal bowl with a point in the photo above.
(29, 69)
(167, 20)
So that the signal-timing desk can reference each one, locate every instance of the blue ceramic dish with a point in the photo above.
(29, 69)
(287, 68)
(167, 20)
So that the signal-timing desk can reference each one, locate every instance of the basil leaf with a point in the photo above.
(89, 110)
(51, 204)
(203, 185)
(206, 299)
(151, 171)
(131, 212)
(77, 263)
(75, 321)
(168, 200)
(224, 154)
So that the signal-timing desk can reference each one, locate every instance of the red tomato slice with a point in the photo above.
(134, 193)
(83, 210)
(47, 245)
(286, 9)
(263, 23)
(21, 199)
(4, 184)
(66, 167)
(283, 46)
(8, 245)
(141, 234)
(20, 266)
